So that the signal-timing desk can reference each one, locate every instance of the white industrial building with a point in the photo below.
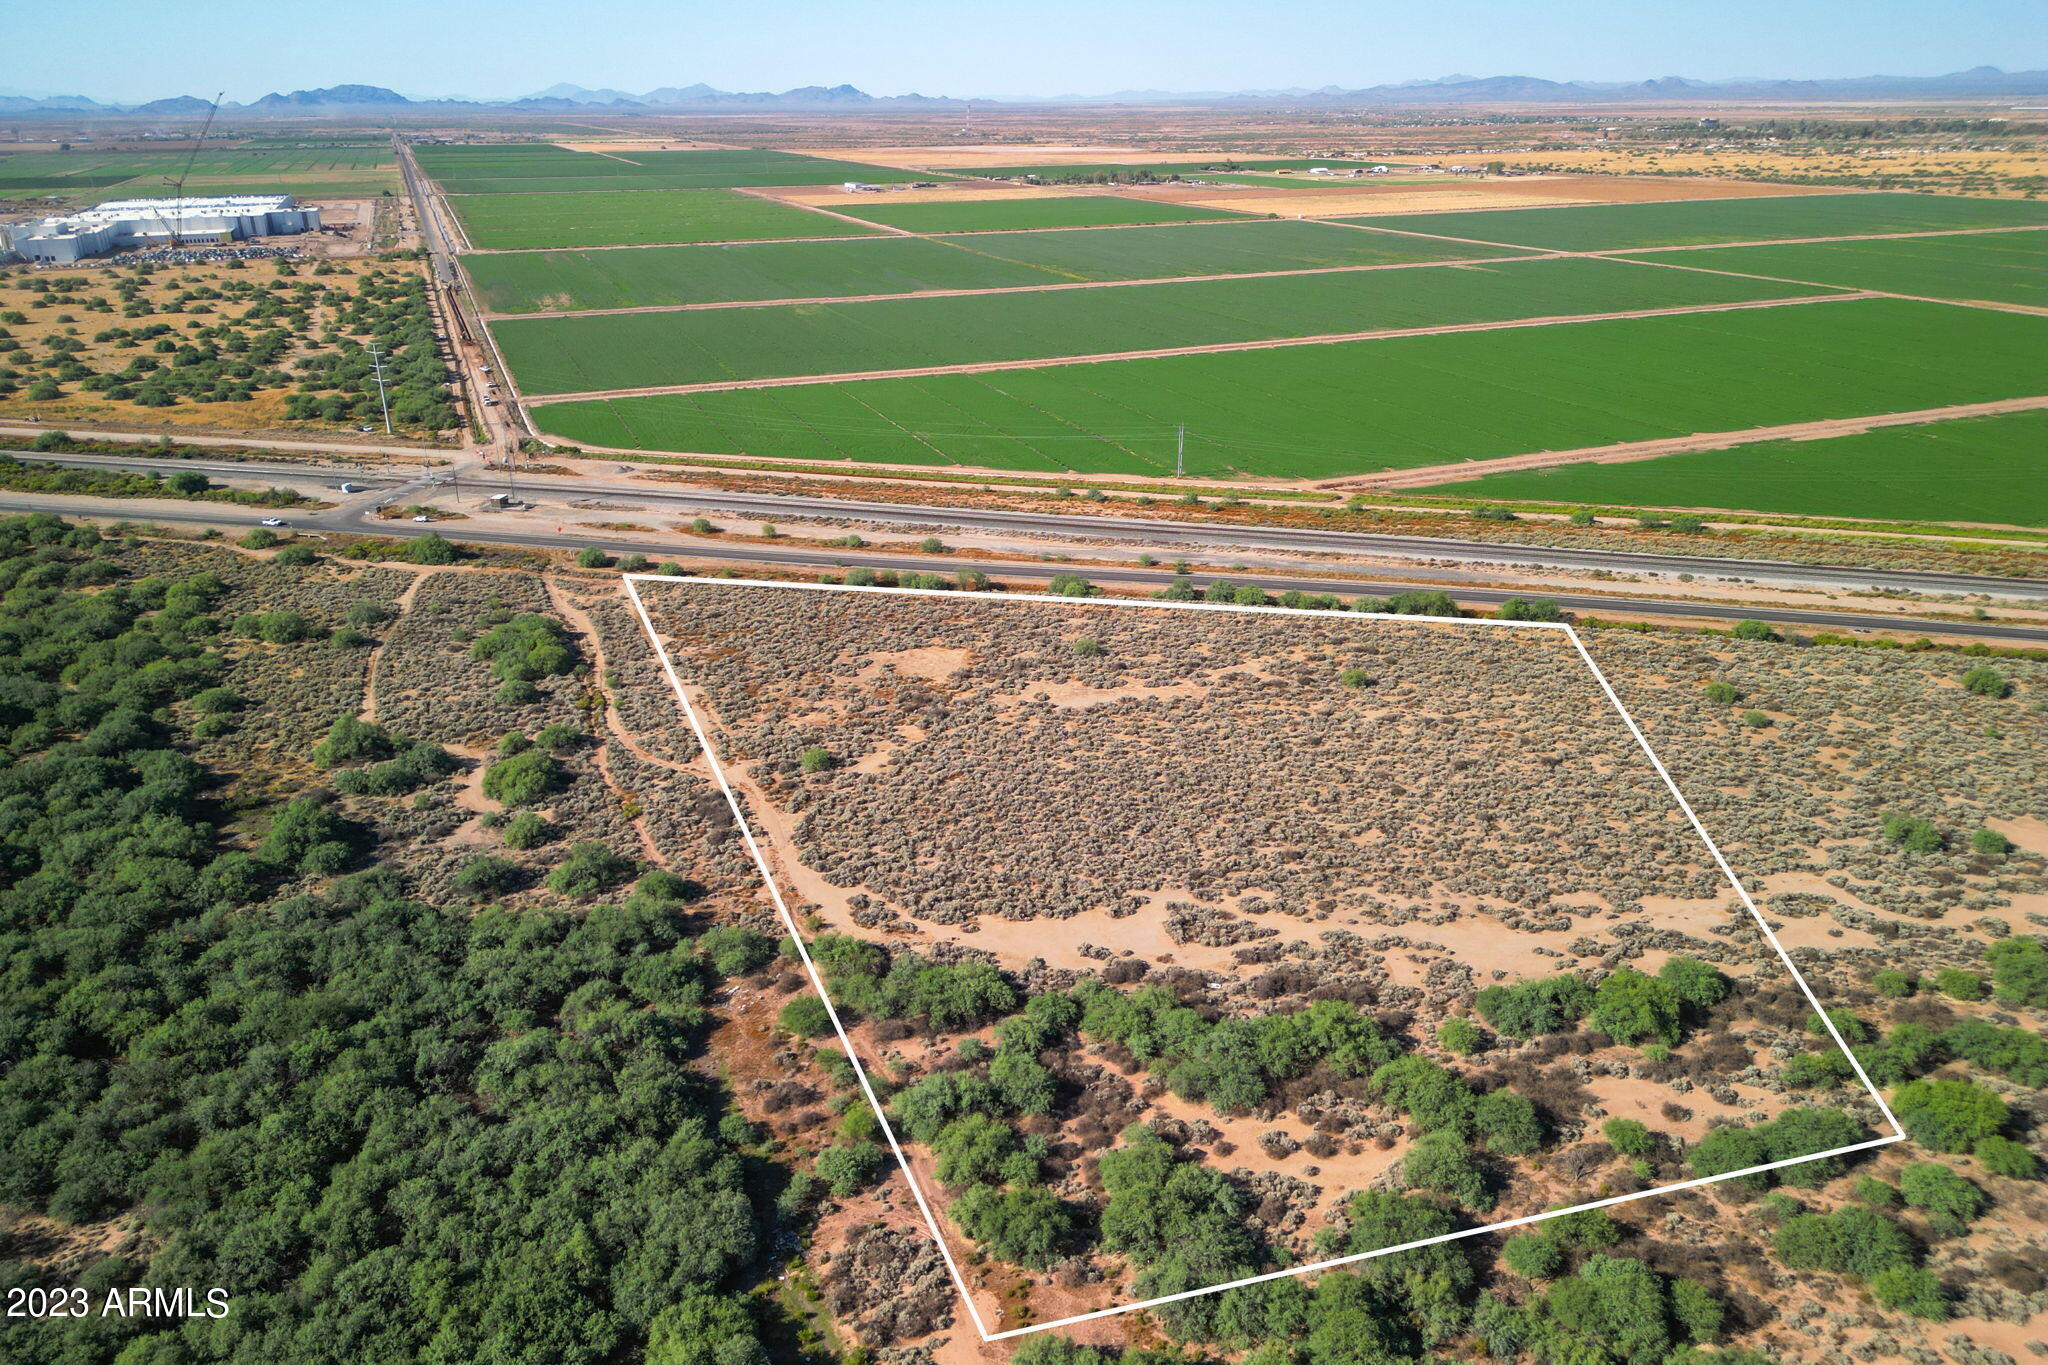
(156, 222)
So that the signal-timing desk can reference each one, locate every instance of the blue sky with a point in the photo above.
(129, 50)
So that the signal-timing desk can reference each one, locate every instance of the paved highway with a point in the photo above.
(347, 521)
(771, 505)
(1135, 530)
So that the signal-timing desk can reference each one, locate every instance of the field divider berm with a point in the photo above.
(1215, 348)
(1050, 288)
(1623, 452)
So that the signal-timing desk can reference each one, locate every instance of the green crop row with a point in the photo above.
(566, 281)
(1324, 411)
(1976, 469)
(637, 350)
(1613, 227)
(2006, 267)
(523, 221)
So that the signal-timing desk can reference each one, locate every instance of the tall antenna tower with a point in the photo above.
(178, 185)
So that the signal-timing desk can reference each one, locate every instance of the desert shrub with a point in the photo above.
(1461, 1036)
(1912, 833)
(521, 779)
(1235, 1063)
(1721, 693)
(924, 1109)
(1958, 984)
(1628, 1137)
(432, 548)
(518, 692)
(733, 950)
(2003, 1156)
(976, 1149)
(1164, 1209)
(487, 875)
(1949, 1200)
(1700, 985)
(1730, 1148)
(2019, 971)
(1753, 630)
(1910, 1289)
(558, 736)
(1025, 1086)
(815, 759)
(867, 978)
(306, 836)
(1530, 1008)
(1027, 1227)
(1986, 682)
(1045, 1020)
(1904, 1053)
(1542, 609)
(1622, 1308)
(350, 740)
(2019, 1054)
(1891, 982)
(1432, 1285)
(1533, 1256)
(1437, 1099)
(1854, 1240)
(591, 869)
(277, 627)
(526, 647)
(849, 1168)
(527, 830)
(1803, 1131)
(259, 538)
(1989, 842)
(1506, 1124)
(1631, 1007)
(806, 1017)
(1441, 1161)
(1816, 1071)
(1949, 1116)
(1874, 1192)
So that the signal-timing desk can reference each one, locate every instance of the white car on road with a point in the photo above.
(273, 521)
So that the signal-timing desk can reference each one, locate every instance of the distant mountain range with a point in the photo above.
(1978, 82)
(368, 99)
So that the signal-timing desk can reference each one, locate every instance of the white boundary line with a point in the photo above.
(860, 1072)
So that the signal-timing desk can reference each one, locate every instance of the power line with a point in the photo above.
(377, 369)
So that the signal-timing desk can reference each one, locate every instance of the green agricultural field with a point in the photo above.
(525, 221)
(1611, 227)
(550, 355)
(543, 168)
(307, 172)
(1980, 469)
(2002, 267)
(565, 281)
(1000, 215)
(1400, 403)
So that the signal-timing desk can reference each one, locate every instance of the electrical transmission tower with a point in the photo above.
(377, 369)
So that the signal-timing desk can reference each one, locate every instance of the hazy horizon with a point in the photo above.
(1046, 50)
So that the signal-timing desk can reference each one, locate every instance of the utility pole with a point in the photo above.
(377, 368)
(1180, 450)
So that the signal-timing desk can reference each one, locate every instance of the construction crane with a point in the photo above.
(177, 186)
